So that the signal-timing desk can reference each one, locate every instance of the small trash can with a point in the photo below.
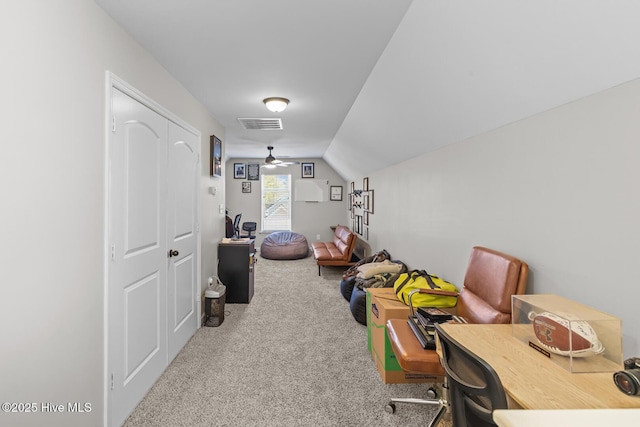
(214, 298)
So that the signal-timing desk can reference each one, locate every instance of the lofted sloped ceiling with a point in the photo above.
(375, 82)
(455, 69)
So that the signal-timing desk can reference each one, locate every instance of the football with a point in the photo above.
(554, 333)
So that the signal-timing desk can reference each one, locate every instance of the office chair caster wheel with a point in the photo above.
(432, 393)
(390, 408)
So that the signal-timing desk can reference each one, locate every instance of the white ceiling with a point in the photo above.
(231, 54)
(371, 86)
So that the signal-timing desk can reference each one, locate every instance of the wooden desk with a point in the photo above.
(566, 417)
(531, 380)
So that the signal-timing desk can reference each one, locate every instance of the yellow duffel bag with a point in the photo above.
(437, 292)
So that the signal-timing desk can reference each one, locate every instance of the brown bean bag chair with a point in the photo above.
(284, 245)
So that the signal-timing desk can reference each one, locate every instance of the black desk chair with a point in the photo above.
(475, 390)
(250, 227)
(236, 226)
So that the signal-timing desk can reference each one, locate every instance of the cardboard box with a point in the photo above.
(558, 316)
(382, 304)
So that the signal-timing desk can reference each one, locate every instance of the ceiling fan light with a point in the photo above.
(270, 166)
(276, 104)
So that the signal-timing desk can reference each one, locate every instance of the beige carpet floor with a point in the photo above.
(294, 356)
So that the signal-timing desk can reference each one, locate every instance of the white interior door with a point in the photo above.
(153, 241)
(182, 205)
(137, 330)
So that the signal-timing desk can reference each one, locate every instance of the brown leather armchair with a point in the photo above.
(491, 279)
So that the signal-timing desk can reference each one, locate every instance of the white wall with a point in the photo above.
(559, 190)
(308, 219)
(55, 55)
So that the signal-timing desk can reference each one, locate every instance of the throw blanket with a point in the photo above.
(377, 257)
(382, 280)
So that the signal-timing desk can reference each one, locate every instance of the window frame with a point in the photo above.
(263, 208)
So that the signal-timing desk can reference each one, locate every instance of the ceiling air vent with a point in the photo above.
(261, 124)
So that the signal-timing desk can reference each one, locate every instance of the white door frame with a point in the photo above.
(113, 81)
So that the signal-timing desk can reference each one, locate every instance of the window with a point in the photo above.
(276, 202)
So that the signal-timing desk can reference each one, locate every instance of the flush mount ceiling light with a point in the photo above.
(276, 104)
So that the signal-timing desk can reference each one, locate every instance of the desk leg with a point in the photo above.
(512, 404)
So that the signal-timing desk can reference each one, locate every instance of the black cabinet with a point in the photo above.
(235, 269)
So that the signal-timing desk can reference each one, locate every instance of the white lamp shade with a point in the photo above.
(276, 104)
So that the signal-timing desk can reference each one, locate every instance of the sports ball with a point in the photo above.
(554, 334)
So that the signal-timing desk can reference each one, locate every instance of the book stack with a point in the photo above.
(422, 325)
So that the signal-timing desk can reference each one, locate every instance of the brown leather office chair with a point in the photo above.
(491, 279)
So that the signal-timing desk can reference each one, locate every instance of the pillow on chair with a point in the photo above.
(367, 271)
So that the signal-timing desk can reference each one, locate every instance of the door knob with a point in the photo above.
(173, 253)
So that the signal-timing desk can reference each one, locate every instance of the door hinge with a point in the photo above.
(113, 252)
(113, 383)
(113, 124)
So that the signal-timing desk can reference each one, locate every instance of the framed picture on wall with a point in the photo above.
(239, 171)
(215, 168)
(336, 193)
(246, 187)
(253, 171)
(308, 170)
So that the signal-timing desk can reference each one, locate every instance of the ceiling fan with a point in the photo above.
(271, 162)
